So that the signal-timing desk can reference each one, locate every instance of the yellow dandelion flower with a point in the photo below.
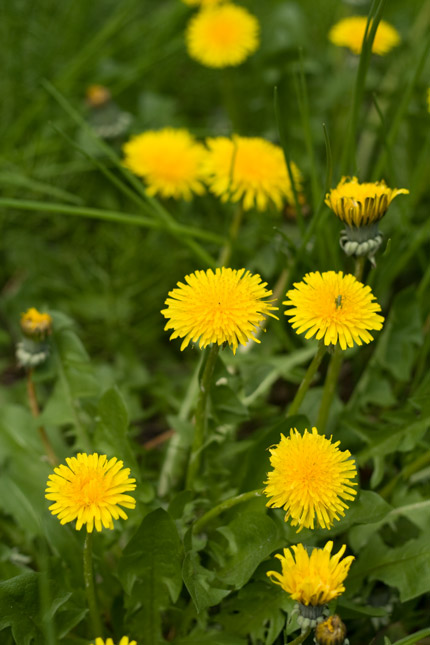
(203, 3)
(333, 307)
(97, 95)
(222, 35)
(35, 323)
(222, 307)
(90, 490)
(349, 32)
(358, 204)
(124, 641)
(249, 169)
(310, 479)
(313, 579)
(169, 161)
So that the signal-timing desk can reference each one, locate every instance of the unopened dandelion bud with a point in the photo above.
(97, 95)
(331, 632)
(36, 325)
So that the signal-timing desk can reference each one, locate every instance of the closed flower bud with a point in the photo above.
(330, 632)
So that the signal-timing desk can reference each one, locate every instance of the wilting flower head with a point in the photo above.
(310, 479)
(169, 161)
(124, 641)
(222, 307)
(97, 95)
(349, 32)
(334, 307)
(90, 490)
(222, 35)
(249, 169)
(36, 324)
(313, 579)
(331, 631)
(359, 204)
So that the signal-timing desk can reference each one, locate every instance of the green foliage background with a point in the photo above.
(80, 239)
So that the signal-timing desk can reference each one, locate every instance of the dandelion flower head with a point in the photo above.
(124, 641)
(334, 307)
(249, 169)
(310, 479)
(203, 3)
(361, 204)
(90, 490)
(349, 32)
(222, 35)
(35, 323)
(313, 579)
(222, 307)
(169, 160)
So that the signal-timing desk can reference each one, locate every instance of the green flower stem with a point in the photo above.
(226, 251)
(359, 268)
(201, 415)
(35, 411)
(307, 380)
(301, 638)
(224, 506)
(89, 586)
(405, 473)
(329, 388)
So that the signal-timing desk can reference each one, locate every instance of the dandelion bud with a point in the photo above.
(36, 325)
(330, 632)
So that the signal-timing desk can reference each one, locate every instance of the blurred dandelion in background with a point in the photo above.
(222, 307)
(251, 170)
(349, 32)
(90, 490)
(310, 479)
(334, 307)
(222, 35)
(124, 641)
(169, 160)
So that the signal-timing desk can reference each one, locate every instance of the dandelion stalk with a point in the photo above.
(35, 411)
(89, 585)
(224, 506)
(227, 249)
(201, 415)
(301, 638)
(307, 380)
(329, 388)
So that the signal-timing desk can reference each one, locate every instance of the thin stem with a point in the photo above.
(329, 388)
(89, 586)
(227, 249)
(301, 638)
(307, 380)
(359, 267)
(224, 506)
(35, 411)
(201, 415)
(404, 474)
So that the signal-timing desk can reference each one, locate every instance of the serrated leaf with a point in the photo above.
(112, 429)
(251, 537)
(199, 582)
(150, 570)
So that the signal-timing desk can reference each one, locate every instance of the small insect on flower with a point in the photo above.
(90, 490)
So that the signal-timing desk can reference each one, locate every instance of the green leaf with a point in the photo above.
(258, 611)
(401, 336)
(150, 570)
(414, 638)
(251, 537)
(112, 429)
(406, 567)
(226, 406)
(199, 582)
(199, 637)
